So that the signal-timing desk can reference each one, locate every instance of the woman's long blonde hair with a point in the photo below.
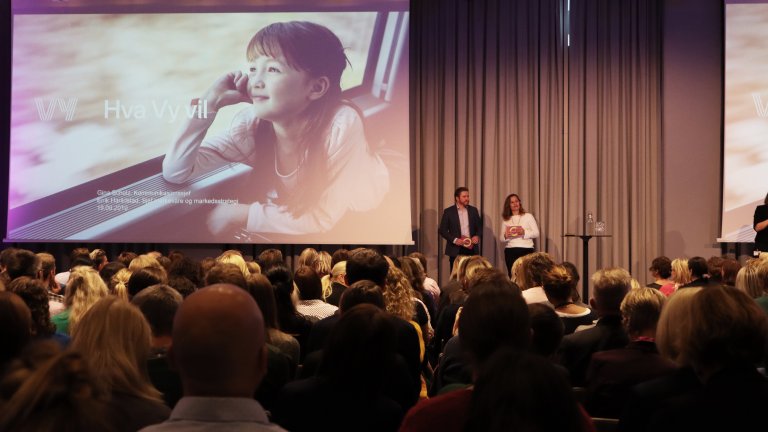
(115, 339)
(84, 288)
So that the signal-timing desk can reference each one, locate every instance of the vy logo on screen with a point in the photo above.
(47, 109)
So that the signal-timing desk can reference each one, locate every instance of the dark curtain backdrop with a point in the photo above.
(560, 106)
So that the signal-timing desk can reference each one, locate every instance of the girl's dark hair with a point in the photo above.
(188, 268)
(506, 212)
(316, 50)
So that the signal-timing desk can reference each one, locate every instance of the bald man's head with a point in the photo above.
(219, 343)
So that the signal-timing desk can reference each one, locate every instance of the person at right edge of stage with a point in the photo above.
(760, 224)
(461, 227)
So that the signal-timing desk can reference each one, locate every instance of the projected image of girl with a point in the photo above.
(311, 160)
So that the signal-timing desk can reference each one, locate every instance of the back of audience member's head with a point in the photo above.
(338, 256)
(184, 286)
(188, 268)
(456, 269)
(109, 270)
(493, 316)
(144, 261)
(145, 277)
(224, 273)
(414, 273)
(282, 282)
(610, 286)
(309, 284)
(34, 293)
(698, 267)
(490, 275)
(662, 266)
(339, 272)
(535, 266)
(23, 263)
(673, 323)
(261, 290)
(681, 274)
(15, 326)
(362, 292)
(165, 262)
(253, 267)
(470, 266)
(126, 257)
(83, 290)
(98, 258)
(523, 392)
(234, 259)
(715, 268)
(641, 309)
(47, 265)
(118, 284)
(323, 265)
(359, 347)
(547, 328)
(749, 279)
(308, 257)
(727, 328)
(5, 256)
(557, 283)
(729, 271)
(398, 296)
(367, 264)
(80, 256)
(575, 278)
(158, 304)
(421, 258)
(49, 390)
(219, 343)
(270, 258)
(117, 340)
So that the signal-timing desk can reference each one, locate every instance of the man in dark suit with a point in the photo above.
(461, 226)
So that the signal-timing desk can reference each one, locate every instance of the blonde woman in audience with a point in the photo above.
(253, 267)
(235, 259)
(681, 275)
(323, 265)
(749, 280)
(308, 257)
(143, 261)
(118, 285)
(84, 289)
(454, 283)
(116, 341)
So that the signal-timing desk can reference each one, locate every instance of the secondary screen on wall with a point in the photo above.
(745, 165)
(249, 127)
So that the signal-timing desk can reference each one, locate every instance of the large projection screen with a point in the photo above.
(131, 126)
(745, 153)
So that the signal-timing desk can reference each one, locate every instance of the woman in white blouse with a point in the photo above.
(518, 229)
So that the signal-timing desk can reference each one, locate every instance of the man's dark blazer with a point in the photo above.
(450, 228)
(761, 239)
(576, 349)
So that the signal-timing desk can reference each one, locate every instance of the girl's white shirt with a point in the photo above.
(358, 178)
